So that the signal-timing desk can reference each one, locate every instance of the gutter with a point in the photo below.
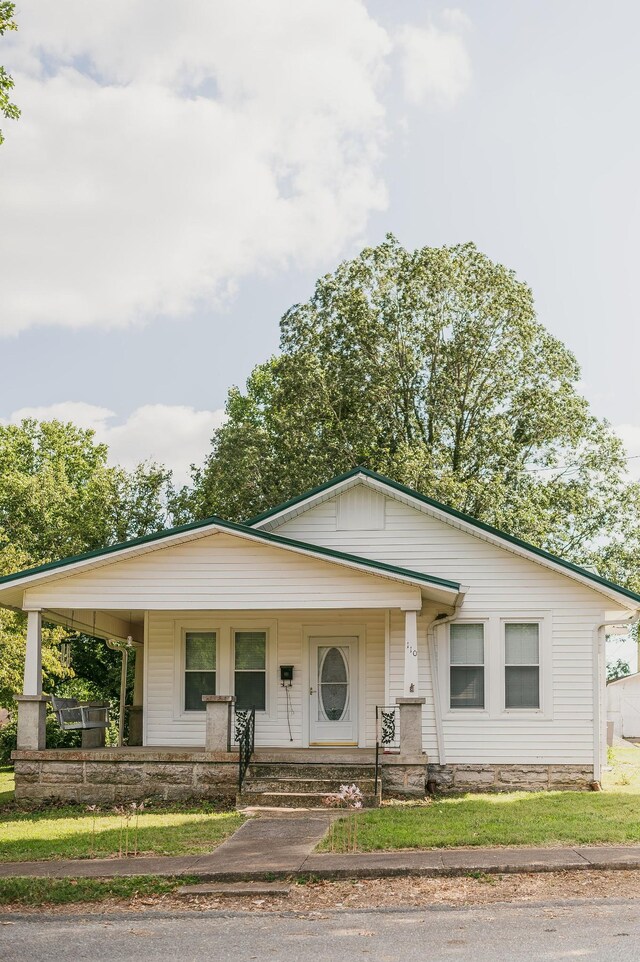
(435, 674)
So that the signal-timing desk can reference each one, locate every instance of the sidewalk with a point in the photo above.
(271, 847)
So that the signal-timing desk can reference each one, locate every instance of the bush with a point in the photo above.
(55, 738)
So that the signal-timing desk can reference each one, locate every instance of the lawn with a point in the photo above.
(517, 818)
(73, 832)
(7, 784)
(43, 891)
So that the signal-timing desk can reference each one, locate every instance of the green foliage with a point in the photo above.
(617, 669)
(7, 108)
(55, 738)
(430, 367)
(58, 497)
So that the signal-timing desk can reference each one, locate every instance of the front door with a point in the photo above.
(333, 690)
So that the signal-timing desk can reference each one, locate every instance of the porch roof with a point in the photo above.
(13, 586)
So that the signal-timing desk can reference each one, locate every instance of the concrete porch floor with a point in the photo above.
(320, 756)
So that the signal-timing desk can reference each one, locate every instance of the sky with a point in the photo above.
(182, 173)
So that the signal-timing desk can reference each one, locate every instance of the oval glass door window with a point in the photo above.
(333, 676)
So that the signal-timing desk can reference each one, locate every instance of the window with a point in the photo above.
(522, 666)
(251, 669)
(466, 661)
(199, 668)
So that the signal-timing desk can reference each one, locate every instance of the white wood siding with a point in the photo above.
(221, 571)
(500, 584)
(167, 725)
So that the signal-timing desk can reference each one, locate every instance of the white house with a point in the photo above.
(322, 615)
(623, 706)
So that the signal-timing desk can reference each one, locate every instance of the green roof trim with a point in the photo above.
(454, 513)
(380, 567)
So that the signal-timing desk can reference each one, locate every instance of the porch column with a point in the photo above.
(32, 704)
(410, 654)
(219, 709)
(135, 711)
(410, 726)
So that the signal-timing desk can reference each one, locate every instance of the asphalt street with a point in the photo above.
(602, 930)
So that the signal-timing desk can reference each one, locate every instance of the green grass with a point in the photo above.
(45, 891)
(624, 774)
(517, 818)
(7, 784)
(68, 832)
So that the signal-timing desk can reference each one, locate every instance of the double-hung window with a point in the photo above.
(466, 666)
(522, 665)
(250, 669)
(199, 668)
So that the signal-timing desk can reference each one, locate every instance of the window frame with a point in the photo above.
(543, 694)
(455, 712)
(193, 628)
(269, 663)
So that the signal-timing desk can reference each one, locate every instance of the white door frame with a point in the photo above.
(335, 630)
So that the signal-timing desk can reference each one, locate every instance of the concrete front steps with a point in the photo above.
(296, 785)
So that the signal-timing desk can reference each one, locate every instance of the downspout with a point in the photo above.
(435, 674)
(599, 686)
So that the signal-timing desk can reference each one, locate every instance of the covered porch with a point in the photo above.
(228, 623)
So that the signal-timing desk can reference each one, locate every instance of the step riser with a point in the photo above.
(344, 774)
(319, 787)
(290, 800)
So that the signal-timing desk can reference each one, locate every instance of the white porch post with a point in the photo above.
(411, 704)
(32, 704)
(410, 653)
(33, 659)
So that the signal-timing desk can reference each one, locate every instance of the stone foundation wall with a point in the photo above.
(509, 778)
(104, 782)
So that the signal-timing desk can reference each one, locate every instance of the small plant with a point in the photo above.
(349, 796)
(482, 877)
(136, 810)
(93, 811)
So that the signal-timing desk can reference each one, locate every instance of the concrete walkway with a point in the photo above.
(276, 847)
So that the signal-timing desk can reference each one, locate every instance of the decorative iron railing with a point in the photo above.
(387, 732)
(245, 730)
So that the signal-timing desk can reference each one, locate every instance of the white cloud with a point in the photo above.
(174, 435)
(436, 65)
(165, 151)
(630, 434)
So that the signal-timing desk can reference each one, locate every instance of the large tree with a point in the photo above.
(59, 496)
(431, 367)
(7, 108)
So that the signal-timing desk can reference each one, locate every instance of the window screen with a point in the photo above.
(522, 666)
(200, 668)
(251, 669)
(466, 668)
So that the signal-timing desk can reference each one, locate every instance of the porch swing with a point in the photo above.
(73, 715)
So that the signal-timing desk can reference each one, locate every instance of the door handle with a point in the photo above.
(312, 691)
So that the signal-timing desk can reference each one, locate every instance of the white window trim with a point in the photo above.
(494, 665)
(545, 675)
(271, 666)
(180, 713)
(445, 676)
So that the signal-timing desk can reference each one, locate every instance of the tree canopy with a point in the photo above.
(7, 108)
(431, 367)
(59, 496)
